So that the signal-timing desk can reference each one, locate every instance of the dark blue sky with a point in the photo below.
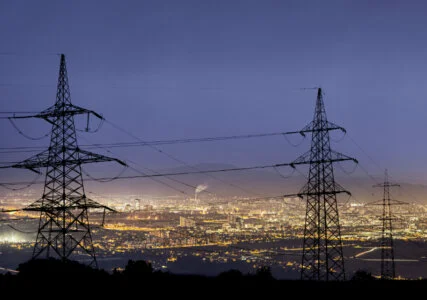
(174, 69)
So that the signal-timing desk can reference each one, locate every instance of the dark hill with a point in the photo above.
(65, 279)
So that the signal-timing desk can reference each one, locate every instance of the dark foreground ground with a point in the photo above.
(70, 279)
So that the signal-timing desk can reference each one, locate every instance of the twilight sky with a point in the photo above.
(178, 69)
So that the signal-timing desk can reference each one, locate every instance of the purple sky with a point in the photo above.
(177, 69)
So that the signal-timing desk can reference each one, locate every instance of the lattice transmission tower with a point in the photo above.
(388, 270)
(322, 250)
(64, 231)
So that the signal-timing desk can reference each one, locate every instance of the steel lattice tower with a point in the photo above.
(322, 251)
(64, 231)
(387, 247)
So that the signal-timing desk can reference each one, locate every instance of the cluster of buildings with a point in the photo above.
(257, 232)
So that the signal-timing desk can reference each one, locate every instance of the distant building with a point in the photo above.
(235, 222)
(239, 223)
(148, 207)
(186, 222)
(137, 204)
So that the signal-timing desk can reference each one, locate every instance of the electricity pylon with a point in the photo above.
(388, 270)
(322, 252)
(64, 231)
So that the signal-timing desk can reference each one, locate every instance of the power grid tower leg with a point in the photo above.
(64, 229)
(322, 251)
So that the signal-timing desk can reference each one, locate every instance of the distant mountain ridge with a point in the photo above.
(251, 183)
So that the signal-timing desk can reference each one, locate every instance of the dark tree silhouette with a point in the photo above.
(138, 268)
(362, 275)
(230, 275)
(264, 273)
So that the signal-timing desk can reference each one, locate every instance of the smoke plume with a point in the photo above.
(200, 188)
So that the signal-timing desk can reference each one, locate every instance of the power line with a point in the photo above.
(154, 179)
(17, 112)
(29, 54)
(172, 173)
(181, 161)
(364, 152)
(25, 135)
(141, 143)
(151, 145)
(377, 165)
(21, 231)
(199, 172)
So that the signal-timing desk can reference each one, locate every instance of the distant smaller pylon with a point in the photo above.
(388, 269)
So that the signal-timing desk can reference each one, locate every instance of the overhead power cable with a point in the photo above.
(181, 161)
(154, 142)
(173, 173)
(143, 173)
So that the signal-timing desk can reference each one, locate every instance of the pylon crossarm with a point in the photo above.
(93, 204)
(42, 160)
(88, 111)
(335, 156)
(324, 193)
(334, 189)
(392, 202)
(39, 205)
(33, 163)
(292, 195)
(311, 128)
(338, 187)
(42, 208)
(54, 112)
(88, 157)
(18, 167)
(378, 202)
(386, 184)
(398, 202)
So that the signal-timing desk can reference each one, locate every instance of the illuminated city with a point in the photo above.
(176, 232)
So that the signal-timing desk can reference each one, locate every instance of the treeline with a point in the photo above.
(63, 278)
